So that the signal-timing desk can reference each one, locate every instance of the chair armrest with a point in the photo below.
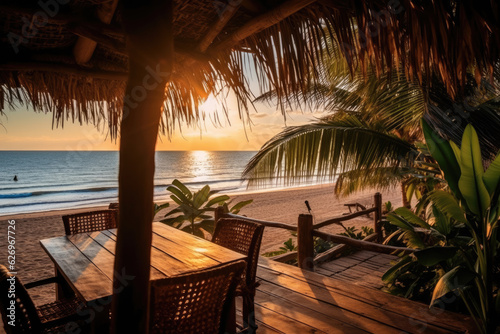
(42, 282)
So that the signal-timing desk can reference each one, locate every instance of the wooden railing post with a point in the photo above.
(218, 214)
(378, 216)
(305, 242)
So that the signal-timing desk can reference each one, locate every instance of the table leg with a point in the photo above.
(63, 290)
(101, 322)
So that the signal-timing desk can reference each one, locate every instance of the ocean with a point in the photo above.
(51, 180)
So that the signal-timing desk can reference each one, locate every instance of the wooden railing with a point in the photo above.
(306, 231)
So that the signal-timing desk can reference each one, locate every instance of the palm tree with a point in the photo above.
(370, 138)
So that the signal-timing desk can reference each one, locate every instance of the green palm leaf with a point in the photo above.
(324, 149)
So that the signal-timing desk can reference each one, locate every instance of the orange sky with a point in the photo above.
(27, 130)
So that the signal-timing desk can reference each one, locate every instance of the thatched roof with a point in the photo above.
(71, 59)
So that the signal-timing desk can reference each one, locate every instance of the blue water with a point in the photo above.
(50, 180)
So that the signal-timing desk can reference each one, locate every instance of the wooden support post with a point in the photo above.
(305, 242)
(377, 217)
(148, 24)
(219, 212)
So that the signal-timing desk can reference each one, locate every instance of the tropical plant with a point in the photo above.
(158, 207)
(458, 242)
(191, 214)
(370, 139)
(288, 246)
(388, 207)
(352, 232)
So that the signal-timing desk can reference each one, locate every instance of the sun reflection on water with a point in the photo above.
(201, 164)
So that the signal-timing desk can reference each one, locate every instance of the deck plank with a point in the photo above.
(364, 268)
(366, 303)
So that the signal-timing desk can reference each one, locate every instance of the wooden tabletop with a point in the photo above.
(86, 260)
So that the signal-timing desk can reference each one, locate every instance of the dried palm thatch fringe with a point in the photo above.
(448, 38)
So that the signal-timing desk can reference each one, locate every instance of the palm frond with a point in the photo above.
(323, 150)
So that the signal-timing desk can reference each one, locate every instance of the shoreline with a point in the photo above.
(103, 207)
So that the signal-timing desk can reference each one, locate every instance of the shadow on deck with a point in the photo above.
(292, 300)
(362, 267)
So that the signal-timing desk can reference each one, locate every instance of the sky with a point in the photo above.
(23, 129)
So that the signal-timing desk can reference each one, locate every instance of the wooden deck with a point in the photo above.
(363, 268)
(290, 300)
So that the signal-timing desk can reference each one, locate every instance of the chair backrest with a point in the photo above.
(241, 236)
(90, 221)
(196, 302)
(15, 300)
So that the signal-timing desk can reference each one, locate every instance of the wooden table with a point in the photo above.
(86, 262)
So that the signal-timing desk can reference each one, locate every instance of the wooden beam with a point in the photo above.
(263, 222)
(63, 69)
(340, 219)
(224, 16)
(284, 257)
(371, 246)
(85, 47)
(88, 33)
(262, 22)
(337, 250)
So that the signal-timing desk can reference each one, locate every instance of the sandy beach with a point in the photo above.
(280, 206)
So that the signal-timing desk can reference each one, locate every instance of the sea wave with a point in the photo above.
(53, 192)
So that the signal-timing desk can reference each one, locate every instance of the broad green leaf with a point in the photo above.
(491, 177)
(217, 200)
(182, 188)
(457, 278)
(447, 204)
(409, 216)
(412, 239)
(201, 196)
(401, 266)
(456, 151)
(238, 206)
(180, 195)
(471, 182)
(175, 221)
(442, 152)
(410, 191)
(398, 221)
(171, 212)
(176, 199)
(442, 221)
(433, 255)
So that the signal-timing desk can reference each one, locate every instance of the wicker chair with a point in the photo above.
(90, 221)
(54, 317)
(198, 302)
(243, 237)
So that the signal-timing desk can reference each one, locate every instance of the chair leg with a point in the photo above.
(249, 314)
